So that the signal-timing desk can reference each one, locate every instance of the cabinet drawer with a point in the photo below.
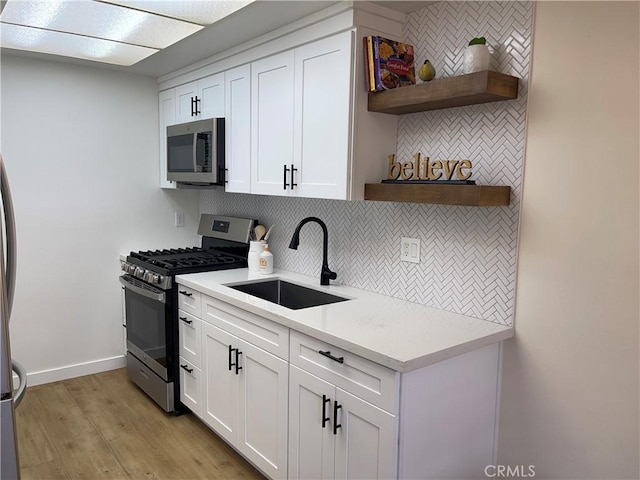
(191, 386)
(189, 337)
(370, 381)
(189, 300)
(259, 331)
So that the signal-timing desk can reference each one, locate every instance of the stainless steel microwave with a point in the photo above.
(195, 152)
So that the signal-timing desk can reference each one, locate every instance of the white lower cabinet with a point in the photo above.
(189, 333)
(334, 434)
(237, 388)
(299, 408)
(340, 425)
(311, 438)
(245, 398)
(367, 440)
(263, 405)
(191, 386)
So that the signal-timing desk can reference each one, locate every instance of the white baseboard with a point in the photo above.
(72, 371)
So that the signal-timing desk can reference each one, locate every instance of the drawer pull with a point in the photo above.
(237, 364)
(293, 170)
(185, 367)
(328, 355)
(184, 319)
(325, 419)
(188, 294)
(336, 425)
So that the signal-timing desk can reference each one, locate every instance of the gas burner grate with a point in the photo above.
(184, 258)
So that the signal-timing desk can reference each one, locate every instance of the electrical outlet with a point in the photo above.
(410, 249)
(179, 219)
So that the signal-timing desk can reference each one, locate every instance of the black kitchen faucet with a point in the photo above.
(325, 274)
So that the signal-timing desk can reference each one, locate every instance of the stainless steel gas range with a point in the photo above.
(151, 302)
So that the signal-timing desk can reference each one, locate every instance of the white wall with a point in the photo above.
(81, 149)
(570, 383)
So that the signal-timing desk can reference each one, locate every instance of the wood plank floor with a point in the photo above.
(104, 427)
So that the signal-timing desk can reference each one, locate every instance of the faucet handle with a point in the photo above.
(327, 275)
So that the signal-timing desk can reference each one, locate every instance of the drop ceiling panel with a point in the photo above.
(99, 20)
(56, 43)
(200, 12)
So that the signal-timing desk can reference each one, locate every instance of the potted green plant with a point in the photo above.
(476, 56)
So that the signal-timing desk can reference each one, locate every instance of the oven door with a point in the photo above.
(148, 324)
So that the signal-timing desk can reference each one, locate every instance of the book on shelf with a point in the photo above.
(388, 64)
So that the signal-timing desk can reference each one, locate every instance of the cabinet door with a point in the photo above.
(210, 95)
(263, 410)
(189, 337)
(271, 123)
(185, 110)
(166, 117)
(220, 384)
(323, 101)
(367, 440)
(237, 88)
(191, 386)
(311, 445)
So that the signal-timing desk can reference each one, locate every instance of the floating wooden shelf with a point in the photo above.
(469, 195)
(470, 89)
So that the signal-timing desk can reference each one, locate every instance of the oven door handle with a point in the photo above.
(160, 297)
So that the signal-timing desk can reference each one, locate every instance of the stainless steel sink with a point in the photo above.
(287, 294)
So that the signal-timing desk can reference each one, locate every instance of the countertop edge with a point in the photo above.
(502, 333)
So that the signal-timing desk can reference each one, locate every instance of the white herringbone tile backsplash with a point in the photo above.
(468, 254)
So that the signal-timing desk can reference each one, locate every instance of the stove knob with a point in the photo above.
(157, 279)
(139, 272)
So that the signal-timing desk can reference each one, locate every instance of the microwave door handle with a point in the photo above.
(195, 152)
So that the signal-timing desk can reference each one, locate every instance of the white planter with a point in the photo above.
(476, 59)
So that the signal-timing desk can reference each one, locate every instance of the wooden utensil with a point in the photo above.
(260, 231)
(266, 237)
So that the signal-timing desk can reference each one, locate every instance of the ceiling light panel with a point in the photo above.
(68, 45)
(196, 11)
(99, 20)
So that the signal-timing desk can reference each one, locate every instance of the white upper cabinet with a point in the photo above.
(167, 116)
(201, 99)
(211, 96)
(272, 127)
(237, 88)
(322, 107)
(301, 107)
(295, 104)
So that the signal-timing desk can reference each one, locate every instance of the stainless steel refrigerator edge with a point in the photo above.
(9, 464)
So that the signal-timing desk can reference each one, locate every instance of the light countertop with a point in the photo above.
(401, 335)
